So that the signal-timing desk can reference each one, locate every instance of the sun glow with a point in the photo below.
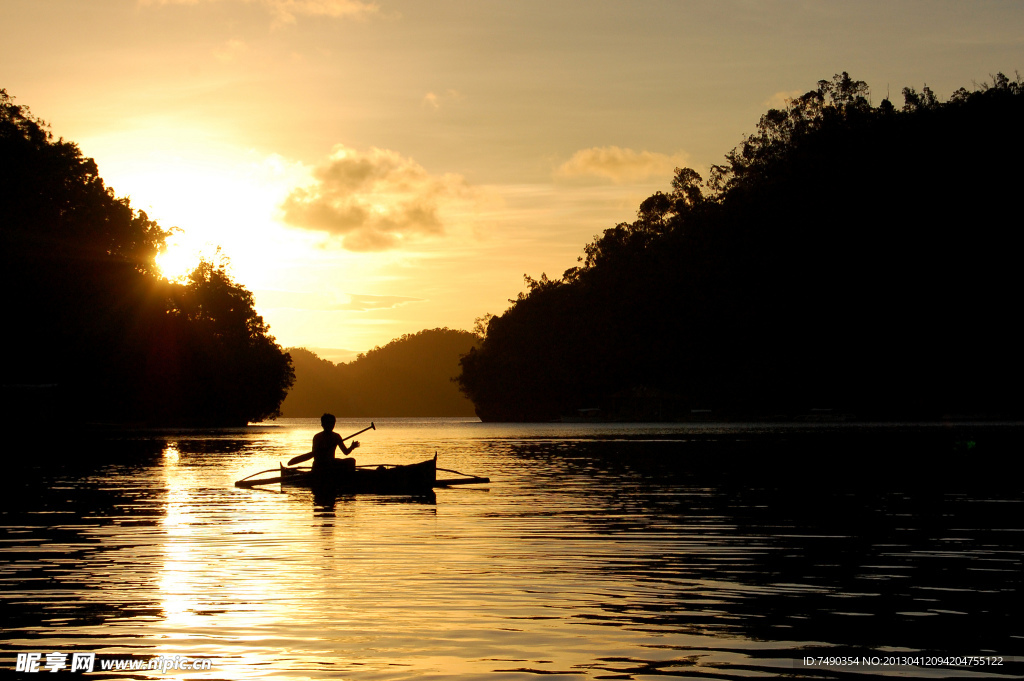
(179, 258)
(213, 197)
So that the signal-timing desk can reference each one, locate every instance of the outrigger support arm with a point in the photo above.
(247, 483)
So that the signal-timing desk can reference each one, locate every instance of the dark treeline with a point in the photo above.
(846, 256)
(410, 376)
(94, 333)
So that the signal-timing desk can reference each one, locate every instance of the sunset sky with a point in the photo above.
(377, 168)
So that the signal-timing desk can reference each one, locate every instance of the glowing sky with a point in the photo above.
(377, 168)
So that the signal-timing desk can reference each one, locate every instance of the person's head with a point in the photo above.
(327, 421)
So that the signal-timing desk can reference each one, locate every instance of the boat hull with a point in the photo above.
(407, 479)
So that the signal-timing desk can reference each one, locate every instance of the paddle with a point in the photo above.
(305, 457)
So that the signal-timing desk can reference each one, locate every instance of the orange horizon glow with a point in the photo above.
(375, 169)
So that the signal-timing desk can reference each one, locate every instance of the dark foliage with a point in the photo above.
(844, 256)
(95, 331)
(410, 376)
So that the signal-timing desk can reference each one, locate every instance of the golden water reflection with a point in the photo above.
(587, 557)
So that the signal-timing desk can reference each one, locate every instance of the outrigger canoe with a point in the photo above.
(384, 479)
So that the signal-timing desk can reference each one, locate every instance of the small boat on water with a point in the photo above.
(410, 478)
(347, 478)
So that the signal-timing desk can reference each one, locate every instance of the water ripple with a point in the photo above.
(593, 554)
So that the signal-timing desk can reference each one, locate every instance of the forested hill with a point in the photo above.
(846, 256)
(410, 376)
(96, 333)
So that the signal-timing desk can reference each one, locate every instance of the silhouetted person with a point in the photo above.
(324, 444)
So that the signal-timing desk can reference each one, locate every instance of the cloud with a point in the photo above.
(231, 50)
(358, 302)
(620, 165)
(373, 201)
(781, 100)
(286, 11)
(433, 101)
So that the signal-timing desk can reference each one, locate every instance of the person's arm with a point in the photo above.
(347, 450)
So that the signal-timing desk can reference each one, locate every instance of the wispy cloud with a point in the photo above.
(780, 100)
(431, 101)
(373, 201)
(323, 302)
(620, 165)
(286, 11)
(232, 50)
(434, 101)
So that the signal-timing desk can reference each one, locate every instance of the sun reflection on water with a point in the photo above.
(583, 559)
(181, 567)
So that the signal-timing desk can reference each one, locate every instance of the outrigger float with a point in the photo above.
(374, 479)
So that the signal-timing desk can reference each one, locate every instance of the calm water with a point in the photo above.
(597, 552)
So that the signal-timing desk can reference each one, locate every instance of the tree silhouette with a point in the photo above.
(845, 256)
(89, 312)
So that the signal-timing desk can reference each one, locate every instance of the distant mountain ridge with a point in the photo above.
(410, 376)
